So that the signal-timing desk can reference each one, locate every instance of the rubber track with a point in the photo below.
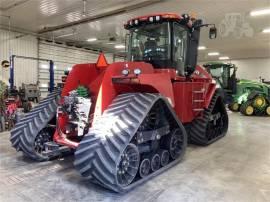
(24, 132)
(197, 131)
(98, 153)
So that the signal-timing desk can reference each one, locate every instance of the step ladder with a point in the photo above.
(198, 99)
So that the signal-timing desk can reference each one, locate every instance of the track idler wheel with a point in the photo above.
(234, 107)
(155, 162)
(128, 165)
(174, 144)
(43, 137)
(145, 167)
(259, 102)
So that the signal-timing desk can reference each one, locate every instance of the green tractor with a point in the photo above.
(247, 96)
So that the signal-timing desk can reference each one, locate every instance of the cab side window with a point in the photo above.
(179, 48)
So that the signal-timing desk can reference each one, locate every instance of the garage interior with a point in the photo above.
(43, 41)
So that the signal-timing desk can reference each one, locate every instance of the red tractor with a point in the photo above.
(130, 121)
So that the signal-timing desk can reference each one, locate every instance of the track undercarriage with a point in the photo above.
(136, 138)
(36, 129)
(141, 139)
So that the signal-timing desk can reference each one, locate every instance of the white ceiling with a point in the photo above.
(35, 15)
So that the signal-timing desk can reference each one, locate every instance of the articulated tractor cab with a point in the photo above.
(127, 122)
(225, 76)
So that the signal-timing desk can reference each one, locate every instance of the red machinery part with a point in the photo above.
(106, 85)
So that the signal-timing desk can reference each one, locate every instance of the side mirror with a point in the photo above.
(212, 33)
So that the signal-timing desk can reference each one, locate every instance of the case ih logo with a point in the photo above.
(235, 24)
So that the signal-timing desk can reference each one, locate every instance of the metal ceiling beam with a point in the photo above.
(100, 16)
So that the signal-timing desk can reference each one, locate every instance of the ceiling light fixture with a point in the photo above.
(44, 66)
(260, 12)
(119, 46)
(64, 35)
(266, 30)
(201, 48)
(224, 58)
(213, 54)
(91, 39)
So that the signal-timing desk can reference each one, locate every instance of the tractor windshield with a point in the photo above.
(164, 45)
(222, 74)
(151, 43)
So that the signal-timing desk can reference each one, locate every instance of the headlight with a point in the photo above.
(130, 22)
(151, 19)
(137, 71)
(125, 72)
(136, 22)
(157, 18)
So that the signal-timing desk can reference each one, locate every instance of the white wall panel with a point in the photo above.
(64, 57)
(253, 68)
(18, 44)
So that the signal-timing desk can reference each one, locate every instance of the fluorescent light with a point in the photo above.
(224, 58)
(213, 53)
(43, 85)
(201, 48)
(65, 35)
(44, 66)
(260, 12)
(91, 39)
(267, 30)
(119, 46)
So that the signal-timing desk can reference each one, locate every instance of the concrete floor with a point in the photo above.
(234, 169)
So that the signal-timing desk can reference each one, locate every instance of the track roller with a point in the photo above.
(155, 162)
(145, 167)
(268, 110)
(164, 157)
